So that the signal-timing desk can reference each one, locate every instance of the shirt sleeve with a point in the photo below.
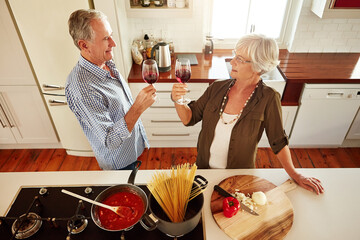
(197, 107)
(93, 113)
(274, 126)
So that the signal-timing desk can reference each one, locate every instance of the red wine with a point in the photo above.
(183, 75)
(151, 77)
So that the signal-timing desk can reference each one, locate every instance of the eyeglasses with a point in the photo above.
(238, 58)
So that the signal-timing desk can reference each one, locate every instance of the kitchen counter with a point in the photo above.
(332, 215)
(209, 68)
(301, 68)
(298, 69)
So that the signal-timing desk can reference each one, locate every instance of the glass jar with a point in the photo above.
(171, 3)
(158, 3)
(145, 3)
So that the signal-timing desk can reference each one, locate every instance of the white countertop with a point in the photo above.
(332, 215)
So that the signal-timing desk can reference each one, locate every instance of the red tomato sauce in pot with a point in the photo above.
(134, 208)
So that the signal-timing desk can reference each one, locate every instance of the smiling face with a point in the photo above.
(241, 66)
(99, 49)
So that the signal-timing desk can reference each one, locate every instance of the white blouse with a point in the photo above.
(220, 146)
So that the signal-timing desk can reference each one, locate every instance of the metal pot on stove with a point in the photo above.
(192, 216)
(96, 211)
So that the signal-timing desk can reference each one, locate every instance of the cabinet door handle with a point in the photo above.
(52, 87)
(171, 134)
(6, 114)
(54, 102)
(166, 121)
(3, 121)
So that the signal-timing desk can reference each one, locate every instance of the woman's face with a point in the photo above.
(241, 66)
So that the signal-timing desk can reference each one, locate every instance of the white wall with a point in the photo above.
(314, 34)
(307, 33)
(186, 33)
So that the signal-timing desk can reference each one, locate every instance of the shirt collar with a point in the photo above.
(95, 69)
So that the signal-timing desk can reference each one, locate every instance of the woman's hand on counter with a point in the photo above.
(309, 183)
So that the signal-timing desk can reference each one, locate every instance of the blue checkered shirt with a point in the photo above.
(100, 102)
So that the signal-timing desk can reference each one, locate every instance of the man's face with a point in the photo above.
(99, 50)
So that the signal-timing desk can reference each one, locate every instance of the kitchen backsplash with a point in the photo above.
(314, 34)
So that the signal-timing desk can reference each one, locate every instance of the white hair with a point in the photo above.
(263, 51)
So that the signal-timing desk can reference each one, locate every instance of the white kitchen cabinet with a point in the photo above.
(325, 115)
(158, 12)
(43, 26)
(288, 116)
(322, 8)
(162, 124)
(72, 137)
(354, 131)
(25, 115)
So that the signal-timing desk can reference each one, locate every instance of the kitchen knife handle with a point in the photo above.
(222, 191)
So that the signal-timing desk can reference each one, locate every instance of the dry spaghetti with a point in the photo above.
(173, 191)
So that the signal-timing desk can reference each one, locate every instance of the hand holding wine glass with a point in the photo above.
(150, 72)
(183, 74)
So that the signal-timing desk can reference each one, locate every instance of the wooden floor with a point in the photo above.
(19, 160)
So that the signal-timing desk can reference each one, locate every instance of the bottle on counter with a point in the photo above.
(209, 45)
(148, 46)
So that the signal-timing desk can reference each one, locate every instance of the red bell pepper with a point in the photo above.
(230, 206)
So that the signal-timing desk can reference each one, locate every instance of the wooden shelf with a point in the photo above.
(159, 12)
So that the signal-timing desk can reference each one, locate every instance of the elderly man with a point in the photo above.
(100, 98)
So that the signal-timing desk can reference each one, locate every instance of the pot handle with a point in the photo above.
(132, 176)
(201, 181)
(150, 220)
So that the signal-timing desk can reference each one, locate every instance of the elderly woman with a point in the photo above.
(235, 112)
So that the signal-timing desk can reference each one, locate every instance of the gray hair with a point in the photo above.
(80, 24)
(263, 51)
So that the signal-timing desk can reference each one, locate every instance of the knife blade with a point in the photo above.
(224, 193)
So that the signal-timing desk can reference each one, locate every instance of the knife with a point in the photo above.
(224, 193)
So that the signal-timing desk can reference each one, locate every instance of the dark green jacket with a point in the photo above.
(263, 111)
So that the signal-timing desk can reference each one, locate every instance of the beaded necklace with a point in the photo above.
(224, 100)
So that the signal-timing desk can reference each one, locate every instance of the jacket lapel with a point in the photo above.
(253, 101)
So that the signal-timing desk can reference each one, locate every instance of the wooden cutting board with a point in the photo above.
(275, 218)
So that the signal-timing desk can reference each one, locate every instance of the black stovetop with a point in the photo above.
(62, 207)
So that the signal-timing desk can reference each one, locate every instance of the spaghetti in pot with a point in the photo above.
(173, 191)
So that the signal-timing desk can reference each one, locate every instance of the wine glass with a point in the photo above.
(183, 74)
(150, 72)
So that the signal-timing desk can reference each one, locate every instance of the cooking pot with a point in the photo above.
(192, 215)
(163, 58)
(131, 188)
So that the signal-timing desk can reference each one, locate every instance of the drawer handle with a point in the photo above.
(166, 121)
(335, 94)
(163, 91)
(167, 91)
(52, 87)
(162, 106)
(54, 102)
(171, 134)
